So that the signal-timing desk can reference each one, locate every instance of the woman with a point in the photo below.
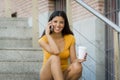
(58, 44)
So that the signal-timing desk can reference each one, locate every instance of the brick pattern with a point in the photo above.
(22, 7)
(45, 6)
(80, 13)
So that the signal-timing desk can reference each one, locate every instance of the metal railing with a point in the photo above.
(100, 16)
(104, 19)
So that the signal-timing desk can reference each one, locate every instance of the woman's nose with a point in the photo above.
(57, 24)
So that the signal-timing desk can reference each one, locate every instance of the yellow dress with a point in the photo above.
(64, 55)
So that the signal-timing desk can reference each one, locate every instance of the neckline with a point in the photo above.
(64, 45)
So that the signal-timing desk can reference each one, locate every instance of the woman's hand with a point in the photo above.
(47, 31)
(82, 60)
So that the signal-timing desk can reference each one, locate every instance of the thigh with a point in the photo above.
(45, 72)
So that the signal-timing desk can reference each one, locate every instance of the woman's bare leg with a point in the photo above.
(52, 69)
(74, 71)
(45, 73)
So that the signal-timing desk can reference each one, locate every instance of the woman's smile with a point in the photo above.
(57, 29)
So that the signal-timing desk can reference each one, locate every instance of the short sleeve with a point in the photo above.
(43, 38)
(72, 40)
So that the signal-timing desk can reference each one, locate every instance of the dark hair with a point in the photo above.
(66, 30)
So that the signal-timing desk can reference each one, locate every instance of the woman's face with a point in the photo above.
(58, 24)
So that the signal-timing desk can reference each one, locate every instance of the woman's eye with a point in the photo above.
(55, 21)
(62, 22)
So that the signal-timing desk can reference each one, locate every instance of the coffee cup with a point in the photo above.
(81, 52)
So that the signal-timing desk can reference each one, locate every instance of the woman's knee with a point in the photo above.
(77, 67)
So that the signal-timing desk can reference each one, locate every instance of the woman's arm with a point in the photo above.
(51, 46)
(72, 53)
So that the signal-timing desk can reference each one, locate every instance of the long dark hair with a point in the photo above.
(66, 30)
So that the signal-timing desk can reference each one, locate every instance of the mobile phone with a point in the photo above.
(51, 29)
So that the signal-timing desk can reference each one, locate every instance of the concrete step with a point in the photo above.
(15, 42)
(18, 60)
(13, 22)
(20, 64)
(20, 67)
(21, 76)
(14, 31)
(20, 54)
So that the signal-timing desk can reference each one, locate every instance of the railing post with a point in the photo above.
(116, 32)
(116, 55)
(35, 26)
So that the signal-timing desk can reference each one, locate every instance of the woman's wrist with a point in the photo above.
(47, 34)
(75, 60)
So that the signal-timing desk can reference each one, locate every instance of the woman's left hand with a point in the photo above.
(82, 60)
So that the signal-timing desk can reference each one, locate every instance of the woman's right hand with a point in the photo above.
(47, 31)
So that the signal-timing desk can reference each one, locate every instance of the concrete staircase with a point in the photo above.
(18, 60)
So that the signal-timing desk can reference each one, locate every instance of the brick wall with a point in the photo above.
(45, 6)
(24, 7)
(79, 12)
